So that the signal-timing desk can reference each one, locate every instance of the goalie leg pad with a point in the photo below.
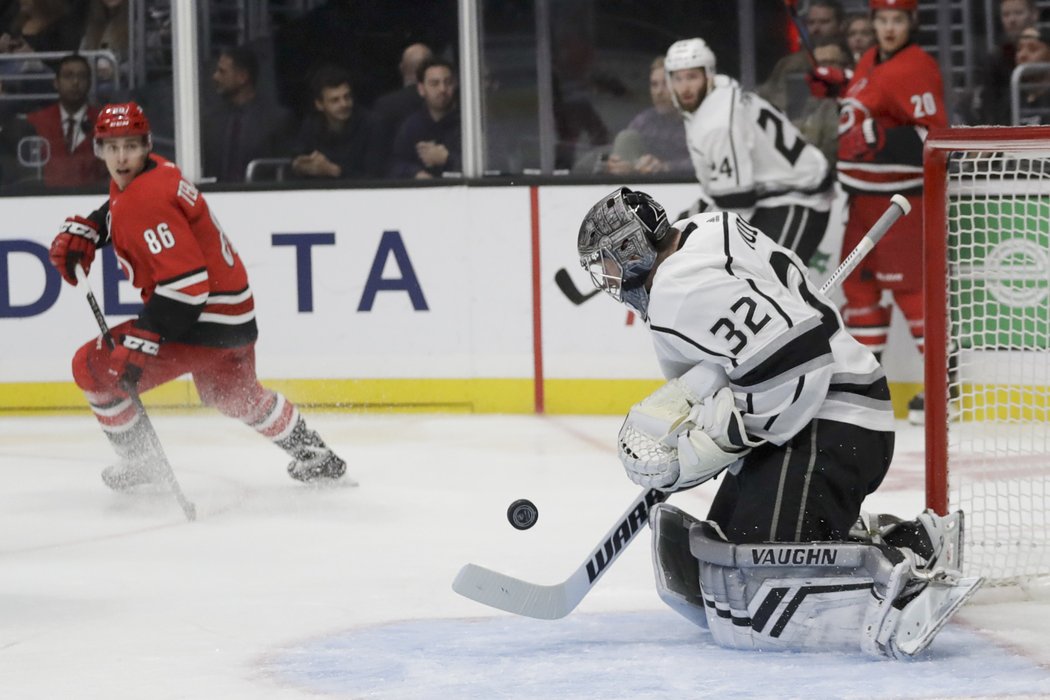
(825, 596)
(677, 570)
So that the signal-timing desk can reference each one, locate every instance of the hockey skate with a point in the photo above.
(926, 611)
(946, 537)
(917, 409)
(126, 475)
(313, 460)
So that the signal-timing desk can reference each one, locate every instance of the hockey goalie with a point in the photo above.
(768, 393)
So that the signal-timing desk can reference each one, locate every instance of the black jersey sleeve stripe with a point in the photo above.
(725, 243)
(758, 357)
(877, 389)
(810, 348)
(709, 351)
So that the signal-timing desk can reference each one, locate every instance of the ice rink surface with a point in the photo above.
(283, 590)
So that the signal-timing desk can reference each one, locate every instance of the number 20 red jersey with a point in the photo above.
(903, 91)
(193, 283)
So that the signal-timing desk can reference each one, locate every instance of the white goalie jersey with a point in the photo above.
(731, 297)
(747, 154)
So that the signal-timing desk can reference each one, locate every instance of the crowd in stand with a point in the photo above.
(329, 119)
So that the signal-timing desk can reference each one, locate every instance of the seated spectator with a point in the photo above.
(991, 99)
(393, 108)
(654, 141)
(106, 29)
(819, 119)
(67, 126)
(340, 140)
(1033, 46)
(785, 88)
(860, 35)
(242, 126)
(428, 142)
(41, 25)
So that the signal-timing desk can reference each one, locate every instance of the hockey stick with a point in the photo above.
(564, 282)
(551, 602)
(803, 33)
(899, 207)
(151, 435)
(558, 600)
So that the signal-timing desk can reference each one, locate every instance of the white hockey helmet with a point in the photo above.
(690, 53)
(618, 243)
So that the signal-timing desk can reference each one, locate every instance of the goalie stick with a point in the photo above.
(188, 509)
(564, 282)
(551, 602)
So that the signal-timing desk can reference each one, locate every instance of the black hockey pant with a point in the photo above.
(793, 226)
(809, 489)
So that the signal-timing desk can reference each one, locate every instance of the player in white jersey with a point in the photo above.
(749, 158)
(766, 391)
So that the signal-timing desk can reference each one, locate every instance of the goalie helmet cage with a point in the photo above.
(987, 345)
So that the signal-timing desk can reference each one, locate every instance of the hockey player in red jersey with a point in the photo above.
(892, 99)
(198, 316)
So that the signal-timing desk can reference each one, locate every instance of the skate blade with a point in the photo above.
(929, 612)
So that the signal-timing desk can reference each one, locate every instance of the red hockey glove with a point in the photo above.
(828, 81)
(74, 245)
(129, 357)
(862, 142)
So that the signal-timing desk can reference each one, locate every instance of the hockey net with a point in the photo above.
(987, 377)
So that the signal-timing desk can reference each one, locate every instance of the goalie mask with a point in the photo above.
(618, 243)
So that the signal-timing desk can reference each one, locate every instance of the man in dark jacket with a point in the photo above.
(428, 142)
(341, 140)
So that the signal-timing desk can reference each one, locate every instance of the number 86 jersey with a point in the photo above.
(730, 296)
(193, 283)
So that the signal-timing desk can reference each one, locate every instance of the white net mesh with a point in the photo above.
(998, 286)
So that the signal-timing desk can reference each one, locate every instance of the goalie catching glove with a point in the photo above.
(674, 439)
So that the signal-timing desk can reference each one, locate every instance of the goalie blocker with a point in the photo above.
(866, 595)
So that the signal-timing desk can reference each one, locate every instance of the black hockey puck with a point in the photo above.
(523, 514)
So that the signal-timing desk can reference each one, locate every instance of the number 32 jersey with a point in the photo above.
(193, 283)
(730, 296)
(747, 154)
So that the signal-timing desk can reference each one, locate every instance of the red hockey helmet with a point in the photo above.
(906, 5)
(123, 119)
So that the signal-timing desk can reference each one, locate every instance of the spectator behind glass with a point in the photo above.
(786, 87)
(654, 141)
(860, 35)
(392, 108)
(819, 119)
(106, 29)
(41, 25)
(428, 142)
(1033, 46)
(340, 140)
(67, 126)
(991, 99)
(242, 126)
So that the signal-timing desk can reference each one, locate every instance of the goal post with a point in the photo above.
(987, 342)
